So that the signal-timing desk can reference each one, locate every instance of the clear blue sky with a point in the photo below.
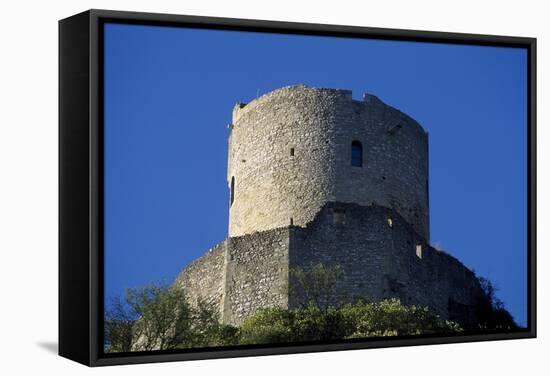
(169, 93)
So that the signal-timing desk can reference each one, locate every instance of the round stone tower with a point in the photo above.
(296, 148)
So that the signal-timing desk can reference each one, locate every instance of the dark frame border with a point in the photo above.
(81, 182)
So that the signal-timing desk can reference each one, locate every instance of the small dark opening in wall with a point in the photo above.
(292, 152)
(291, 221)
(419, 251)
(356, 154)
(232, 190)
(339, 216)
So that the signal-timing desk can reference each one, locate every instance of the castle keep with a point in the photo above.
(315, 176)
(290, 153)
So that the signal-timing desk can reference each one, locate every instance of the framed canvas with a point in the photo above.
(235, 187)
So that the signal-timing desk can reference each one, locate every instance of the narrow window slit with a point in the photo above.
(419, 251)
(232, 190)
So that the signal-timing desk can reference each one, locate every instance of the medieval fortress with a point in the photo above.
(315, 176)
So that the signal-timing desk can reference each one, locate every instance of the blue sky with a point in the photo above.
(169, 93)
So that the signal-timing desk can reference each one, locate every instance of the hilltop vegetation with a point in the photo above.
(157, 317)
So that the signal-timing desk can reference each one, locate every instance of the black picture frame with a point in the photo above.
(81, 182)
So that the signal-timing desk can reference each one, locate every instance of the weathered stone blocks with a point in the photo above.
(297, 200)
(290, 153)
(378, 261)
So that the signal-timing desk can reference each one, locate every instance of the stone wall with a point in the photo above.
(240, 275)
(290, 153)
(381, 256)
(377, 250)
(395, 161)
(204, 278)
(257, 273)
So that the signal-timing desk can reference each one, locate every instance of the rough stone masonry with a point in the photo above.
(316, 176)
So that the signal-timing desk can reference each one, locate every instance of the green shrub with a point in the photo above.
(493, 316)
(315, 285)
(391, 318)
(360, 320)
(267, 325)
(158, 317)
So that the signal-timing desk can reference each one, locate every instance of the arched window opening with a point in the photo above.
(356, 154)
(232, 190)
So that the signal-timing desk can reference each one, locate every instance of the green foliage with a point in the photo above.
(160, 318)
(275, 325)
(315, 324)
(315, 285)
(118, 327)
(207, 331)
(491, 311)
(360, 320)
(391, 318)
(164, 317)
(268, 325)
(157, 317)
